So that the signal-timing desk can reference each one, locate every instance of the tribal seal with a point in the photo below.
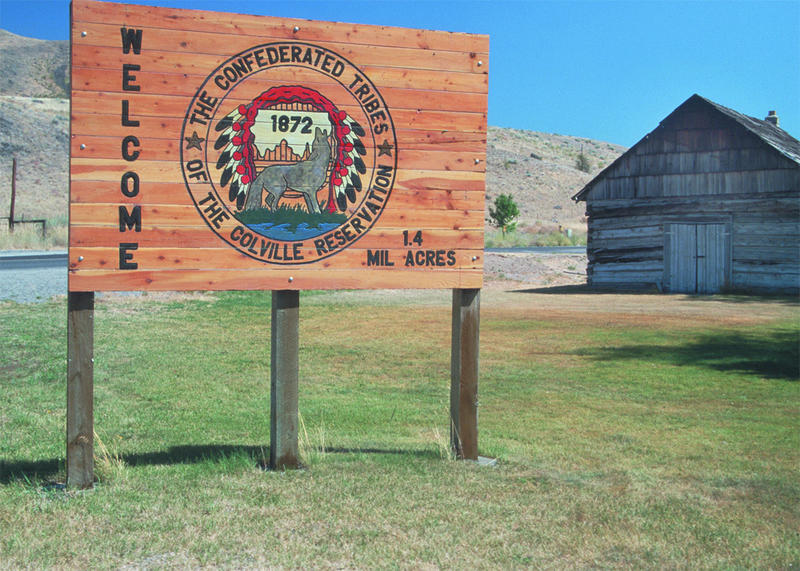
(289, 153)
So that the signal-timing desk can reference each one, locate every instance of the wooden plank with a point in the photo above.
(600, 276)
(627, 256)
(215, 280)
(96, 135)
(108, 103)
(110, 170)
(637, 242)
(105, 148)
(777, 242)
(464, 361)
(100, 49)
(618, 212)
(283, 28)
(80, 389)
(155, 171)
(199, 237)
(768, 282)
(697, 184)
(635, 231)
(707, 161)
(646, 265)
(223, 258)
(154, 82)
(416, 200)
(173, 215)
(168, 127)
(87, 191)
(284, 367)
(790, 269)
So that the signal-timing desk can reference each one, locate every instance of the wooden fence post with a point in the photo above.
(464, 355)
(80, 385)
(284, 363)
(13, 195)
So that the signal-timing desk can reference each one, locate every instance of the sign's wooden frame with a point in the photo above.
(152, 199)
(176, 128)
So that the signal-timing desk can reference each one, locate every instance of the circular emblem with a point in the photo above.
(289, 152)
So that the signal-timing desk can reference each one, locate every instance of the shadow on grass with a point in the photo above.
(30, 470)
(397, 451)
(53, 468)
(194, 454)
(772, 355)
(259, 454)
(577, 288)
(727, 298)
(744, 299)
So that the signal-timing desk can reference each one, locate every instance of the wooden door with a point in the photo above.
(697, 258)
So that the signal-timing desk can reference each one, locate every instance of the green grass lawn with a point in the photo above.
(630, 431)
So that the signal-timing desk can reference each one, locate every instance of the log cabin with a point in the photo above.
(707, 202)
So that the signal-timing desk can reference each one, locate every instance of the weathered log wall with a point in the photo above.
(697, 168)
(627, 238)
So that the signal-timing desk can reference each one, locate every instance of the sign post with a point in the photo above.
(284, 366)
(215, 151)
(465, 348)
(80, 389)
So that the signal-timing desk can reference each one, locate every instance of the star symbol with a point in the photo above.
(385, 148)
(194, 142)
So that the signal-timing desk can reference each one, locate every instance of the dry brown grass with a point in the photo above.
(29, 237)
(627, 436)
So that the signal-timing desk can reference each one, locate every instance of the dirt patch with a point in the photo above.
(502, 269)
(528, 286)
(646, 310)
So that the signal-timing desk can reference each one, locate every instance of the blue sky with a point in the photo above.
(603, 70)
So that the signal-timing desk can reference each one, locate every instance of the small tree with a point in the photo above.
(582, 163)
(504, 213)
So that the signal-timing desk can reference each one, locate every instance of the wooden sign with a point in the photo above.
(218, 151)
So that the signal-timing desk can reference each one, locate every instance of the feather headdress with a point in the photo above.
(237, 141)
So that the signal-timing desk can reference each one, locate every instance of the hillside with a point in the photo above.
(537, 169)
(33, 68)
(36, 132)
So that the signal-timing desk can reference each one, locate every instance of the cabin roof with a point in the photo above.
(770, 134)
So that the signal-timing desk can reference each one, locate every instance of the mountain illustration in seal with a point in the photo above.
(334, 156)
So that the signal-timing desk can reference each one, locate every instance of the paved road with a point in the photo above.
(32, 259)
(27, 276)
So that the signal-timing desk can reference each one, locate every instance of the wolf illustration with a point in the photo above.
(305, 177)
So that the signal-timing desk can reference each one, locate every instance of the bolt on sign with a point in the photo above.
(219, 151)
